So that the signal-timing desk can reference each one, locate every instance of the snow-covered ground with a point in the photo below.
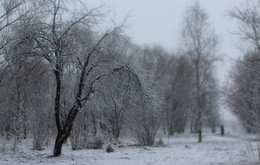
(179, 150)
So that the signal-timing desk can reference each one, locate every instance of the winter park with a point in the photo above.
(140, 82)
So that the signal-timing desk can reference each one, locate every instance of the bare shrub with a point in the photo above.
(145, 127)
(109, 149)
(92, 143)
(159, 143)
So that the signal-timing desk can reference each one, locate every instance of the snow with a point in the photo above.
(179, 149)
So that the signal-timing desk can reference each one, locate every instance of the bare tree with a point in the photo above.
(243, 93)
(144, 116)
(200, 44)
(248, 18)
(179, 95)
(11, 11)
(211, 101)
(68, 46)
(53, 38)
(115, 102)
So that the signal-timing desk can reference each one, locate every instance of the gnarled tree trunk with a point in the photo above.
(64, 133)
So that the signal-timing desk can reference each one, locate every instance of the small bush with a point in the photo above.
(96, 143)
(145, 131)
(159, 143)
(109, 149)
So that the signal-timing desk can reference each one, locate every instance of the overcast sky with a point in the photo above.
(160, 21)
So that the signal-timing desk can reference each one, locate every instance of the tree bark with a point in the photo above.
(200, 108)
(200, 126)
(64, 133)
(60, 139)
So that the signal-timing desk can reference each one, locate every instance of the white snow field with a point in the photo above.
(178, 150)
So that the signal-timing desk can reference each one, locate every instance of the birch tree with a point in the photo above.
(200, 43)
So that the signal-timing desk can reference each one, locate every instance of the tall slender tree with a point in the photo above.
(200, 43)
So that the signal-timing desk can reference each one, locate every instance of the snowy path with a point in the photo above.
(179, 150)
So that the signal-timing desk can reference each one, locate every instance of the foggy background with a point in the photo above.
(160, 23)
